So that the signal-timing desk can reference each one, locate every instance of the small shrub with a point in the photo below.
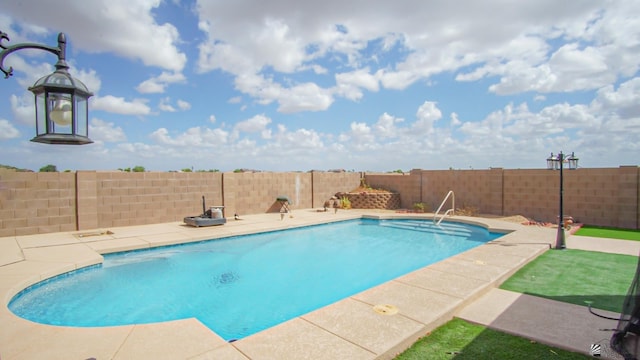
(467, 211)
(418, 207)
(345, 203)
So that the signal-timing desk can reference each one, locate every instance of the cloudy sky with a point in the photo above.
(365, 85)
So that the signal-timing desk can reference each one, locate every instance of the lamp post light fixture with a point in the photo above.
(556, 162)
(62, 111)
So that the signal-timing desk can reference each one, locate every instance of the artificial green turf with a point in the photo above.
(611, 233)
(462, 340)
(577, 277)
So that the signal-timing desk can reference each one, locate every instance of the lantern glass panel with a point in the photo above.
(82, 112)
(41, 115)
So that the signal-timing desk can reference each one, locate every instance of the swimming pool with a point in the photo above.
(242, 285)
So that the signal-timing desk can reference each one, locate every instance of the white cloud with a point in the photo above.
(304, 97)
(257, 123)
(301, 97)
(124, 27)
(397, 80)
(7, 131)
(27, 73)
(350, 84)
(165, 105)
(278, 45)
(455, 121)
(89, 78)
(139, 151)
(183, 105)
(158, 84)
(23, 109)
(100, 130)
(223, 56)
(118, 105)
(151, 86)
(514, 44)
(625, 101)
(386, 126)
(301, 140)
(427, 114)
(570, 68)
(527, 78)
(361, 137)
(194, 138)
(270, 41)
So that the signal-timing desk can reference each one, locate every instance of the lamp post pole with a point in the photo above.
(553, 163)
(560, 244)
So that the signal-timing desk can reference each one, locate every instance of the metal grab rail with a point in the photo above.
(452, 210)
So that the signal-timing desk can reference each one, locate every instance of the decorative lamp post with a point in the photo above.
(556, 163)
(62, 110)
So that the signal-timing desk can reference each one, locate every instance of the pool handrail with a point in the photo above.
(450, 211)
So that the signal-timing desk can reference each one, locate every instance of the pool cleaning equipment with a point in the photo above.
(213, 216)
(625, 340)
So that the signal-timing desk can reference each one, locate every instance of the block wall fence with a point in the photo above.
(594, 196)
(33, 203)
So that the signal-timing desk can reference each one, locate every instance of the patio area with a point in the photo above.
(349, 328)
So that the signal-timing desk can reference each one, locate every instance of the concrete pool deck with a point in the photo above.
(350, 328)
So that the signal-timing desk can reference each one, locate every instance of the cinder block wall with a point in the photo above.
(327, 184)
(32, 203)
(533, 193)
(601, 196)
(254, 193)
(125, 199)
(472, 188)
(607, 197)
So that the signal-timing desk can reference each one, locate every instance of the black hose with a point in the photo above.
(601, 316)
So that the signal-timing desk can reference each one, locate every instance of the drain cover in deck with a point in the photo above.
(385, 309)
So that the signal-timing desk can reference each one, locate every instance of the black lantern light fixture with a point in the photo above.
(556, 162)
(62, 110)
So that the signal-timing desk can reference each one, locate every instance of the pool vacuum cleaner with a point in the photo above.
(625, 340)
(213, 216)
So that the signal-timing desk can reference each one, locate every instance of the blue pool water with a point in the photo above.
(241, 285)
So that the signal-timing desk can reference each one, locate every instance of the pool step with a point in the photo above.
(446, 229)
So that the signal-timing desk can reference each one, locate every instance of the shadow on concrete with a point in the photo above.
(551, 321)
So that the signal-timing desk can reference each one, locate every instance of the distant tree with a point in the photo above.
(138, 168)
(397, 171)
(186, 170)
(49, 168)
(14, 168)
(238, 170)
(125, 169)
